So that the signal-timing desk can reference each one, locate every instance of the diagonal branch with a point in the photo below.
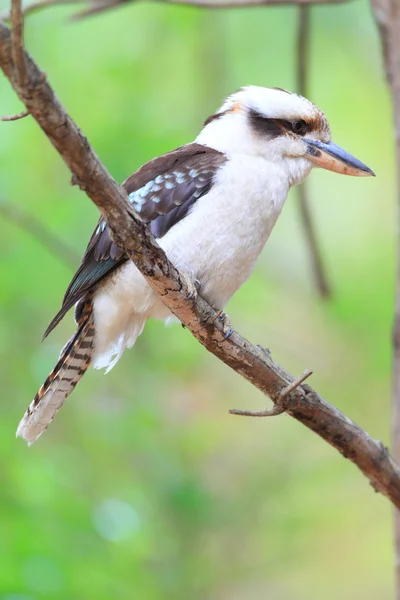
(133, 237)
(302, 50)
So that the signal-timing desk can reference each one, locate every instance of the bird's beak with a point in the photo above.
(334, 158)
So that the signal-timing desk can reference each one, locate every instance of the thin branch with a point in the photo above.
(16, 117)
(387, 15)
(98, 6)
(31, 225)
(102, 5)
(37, 6)
(17, 35)
(246, 3)
(318, 270)
(134, 238)
(303, 48)
(281, 404)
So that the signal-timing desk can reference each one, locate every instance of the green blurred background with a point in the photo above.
(144, 486)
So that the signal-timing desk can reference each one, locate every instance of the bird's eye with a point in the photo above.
(299, 127)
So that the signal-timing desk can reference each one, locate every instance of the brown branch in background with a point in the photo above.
(37, 6)
(17, 36)
(213, 82)
(98, 6)
(16, 117)
(31, 225)
(387, 15)
(317, 264)
(135, 240)
(101, 5)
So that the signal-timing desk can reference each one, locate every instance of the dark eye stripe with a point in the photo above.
(263, 126)
(276, 127)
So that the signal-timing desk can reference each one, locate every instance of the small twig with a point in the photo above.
(31, 225)
(16, 117)
(292, 386)
(281, 404)
(319, 274)
(17, 34)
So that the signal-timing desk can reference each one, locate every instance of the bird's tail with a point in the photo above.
(75, 358)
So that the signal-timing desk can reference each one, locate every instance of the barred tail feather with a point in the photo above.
(74, 360)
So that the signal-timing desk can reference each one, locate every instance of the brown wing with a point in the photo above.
(162, 192)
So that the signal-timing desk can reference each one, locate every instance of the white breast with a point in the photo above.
(217, 243)
(220, 240)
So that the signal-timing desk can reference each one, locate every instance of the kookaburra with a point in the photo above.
(212, 205)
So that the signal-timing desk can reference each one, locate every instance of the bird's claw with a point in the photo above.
(265, 351)
(225, 321)
(192, 285)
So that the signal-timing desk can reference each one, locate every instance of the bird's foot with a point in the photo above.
(265, 351)
(192, 285)
(225, 321)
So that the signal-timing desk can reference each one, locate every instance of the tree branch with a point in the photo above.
(102, 5)
(133, 237)
(387, 15)
(31, 225)
(317, 264)
(17, 35)
(37, 6)
(97, 6)
(17, 117)
(280, 405)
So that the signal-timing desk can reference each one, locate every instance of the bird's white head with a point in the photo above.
(281, 127)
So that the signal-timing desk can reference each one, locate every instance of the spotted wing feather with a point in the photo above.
(162, 192)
